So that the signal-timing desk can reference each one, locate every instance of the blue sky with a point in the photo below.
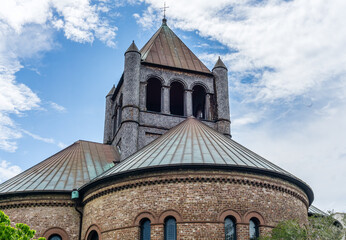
(286, 59)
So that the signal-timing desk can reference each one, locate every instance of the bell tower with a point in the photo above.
(163, 84)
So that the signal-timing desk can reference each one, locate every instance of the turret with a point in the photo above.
(130, 105)
(220, 73)
(107, 136)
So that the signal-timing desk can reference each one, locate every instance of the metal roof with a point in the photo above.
(315, 211)
(166, 49)
(66, 170)
(193, 142)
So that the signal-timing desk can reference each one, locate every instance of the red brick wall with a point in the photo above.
(42, 213)
(196, 198)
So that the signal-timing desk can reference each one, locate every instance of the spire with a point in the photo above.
(132, 48)
(220, 64)
(164, 20)
(111, 92)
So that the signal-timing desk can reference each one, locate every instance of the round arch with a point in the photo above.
(92, 228)
(56, 231)
(253, 214)
(143, 215)
(232, 213)
(170, 213)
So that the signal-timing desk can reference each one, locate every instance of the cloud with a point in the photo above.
(8, 171)
(287, 80)
(57, 107)
(27, 31)
(43, 139)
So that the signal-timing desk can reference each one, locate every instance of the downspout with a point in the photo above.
(75, 197)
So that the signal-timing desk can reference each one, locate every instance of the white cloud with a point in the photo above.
(8, 171)
(57, 107)
(43, 139)
(27, 31)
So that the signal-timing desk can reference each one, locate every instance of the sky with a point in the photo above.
(287, 76)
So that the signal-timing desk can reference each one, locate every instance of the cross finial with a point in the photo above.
(164, 10)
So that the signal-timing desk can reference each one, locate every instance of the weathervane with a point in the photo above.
(164, 10)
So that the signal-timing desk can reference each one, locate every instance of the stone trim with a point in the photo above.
(36, 204)
(179, 80)
(253, 214)
(129, 106)
(143, 215)
(93, 227)
(56, 230)
(232, 213)
(233, 180)
(170, 213)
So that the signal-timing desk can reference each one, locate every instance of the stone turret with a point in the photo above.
(220, 72)
(107, 137)
(130, 104)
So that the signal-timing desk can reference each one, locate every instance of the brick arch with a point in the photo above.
(179, 81)
(143, 215)
(253, 214)
(56, 230)
(232, 213)
(93, 227)
(169, 213)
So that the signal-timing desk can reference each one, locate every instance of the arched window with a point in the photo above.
(154, 95)
(176, 98)
(145, 229)
(55, 237)
(170, 228)
(198, 101)
(115, 120)
(120, 110)
(254, 228)
(93, 235)
(230, 228)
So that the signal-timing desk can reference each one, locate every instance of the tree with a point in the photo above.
(20, 232)
(318, 228)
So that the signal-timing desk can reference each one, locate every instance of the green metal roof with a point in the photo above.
(66, 170)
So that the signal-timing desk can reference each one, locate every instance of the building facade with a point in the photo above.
(168, 168)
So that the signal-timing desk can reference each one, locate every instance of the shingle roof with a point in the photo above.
(166, 49)
(194, 144)
(66, 170)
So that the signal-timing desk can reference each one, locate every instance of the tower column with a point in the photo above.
(188, 103)
(207, 107)
(165, 100)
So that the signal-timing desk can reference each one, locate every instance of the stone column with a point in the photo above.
(207, 107)
(165, 100)
(143, 94)
(188, 103)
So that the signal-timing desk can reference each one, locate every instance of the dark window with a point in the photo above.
(254, 228)
(115, 120)
(154, 95)
(120, 110)
(55, 237)
(170, 229)
(176, 99)
(230, 229)
(93, 235)
(145, 229)
(198, 101)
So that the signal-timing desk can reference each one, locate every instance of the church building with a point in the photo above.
(167, 169)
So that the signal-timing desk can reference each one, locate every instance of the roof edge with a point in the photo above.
(299, 183)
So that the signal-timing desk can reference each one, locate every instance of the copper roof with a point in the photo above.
(166, 49)
(66, 170)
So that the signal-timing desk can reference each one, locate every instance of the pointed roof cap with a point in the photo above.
(132, 48)
(68, 169)
(111, 92)
(194, 144)
(166, 49)
(220, 63)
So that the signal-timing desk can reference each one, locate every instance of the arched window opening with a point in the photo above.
(170, 228)
(55, 237)
(176, 99)
(254, 228)
(154, 95)
(198, 102)
(115, 121)
(145, 229)
(230, 228)
(93, 235)
(120, 110)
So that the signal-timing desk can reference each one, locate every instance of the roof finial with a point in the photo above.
(164, 20)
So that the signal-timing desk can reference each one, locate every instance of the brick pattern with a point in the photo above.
(199, 203)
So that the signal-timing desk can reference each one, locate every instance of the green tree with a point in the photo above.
(318, 228)
(20, 232)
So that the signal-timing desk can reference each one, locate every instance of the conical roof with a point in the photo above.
(68, 169)
(220, 63)
(195, 145)
(166, 49)
(132, 48)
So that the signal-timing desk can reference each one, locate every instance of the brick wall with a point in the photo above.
(197, 199)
